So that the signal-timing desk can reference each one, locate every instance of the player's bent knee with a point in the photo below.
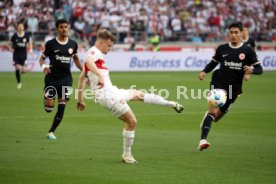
(132, 123)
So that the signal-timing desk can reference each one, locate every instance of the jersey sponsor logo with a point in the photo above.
(233, 65)
(224, 55)
(70, 50)
(21, 44)
(63, 59)
(242, 56)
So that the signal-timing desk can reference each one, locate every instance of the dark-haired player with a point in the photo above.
(58, 78)
(235, 59)
(20, 40)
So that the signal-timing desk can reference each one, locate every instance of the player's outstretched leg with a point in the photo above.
(128, 137)
(157, 100)
(57, 120)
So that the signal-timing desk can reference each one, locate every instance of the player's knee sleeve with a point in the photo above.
(48, 108)
(60, 112)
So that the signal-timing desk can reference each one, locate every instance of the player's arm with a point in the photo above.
(208, 68)
(11, 45)
(30, 45)
(45, 68)
(77, 61)
(81, 104)
(257, 68)
(89, 62)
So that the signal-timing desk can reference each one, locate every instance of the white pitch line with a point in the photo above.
(137, 114)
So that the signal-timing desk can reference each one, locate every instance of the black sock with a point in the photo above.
(17, 74)
(206, 126)
(58, 117)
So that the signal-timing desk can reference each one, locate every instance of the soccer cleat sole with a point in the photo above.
(203, 147)
(129, 161)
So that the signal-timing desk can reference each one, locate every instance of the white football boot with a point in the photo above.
(178, 108)
(129, 159)
(19, 86)
(203, 144)
(51, 136)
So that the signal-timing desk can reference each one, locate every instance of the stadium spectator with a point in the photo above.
(183, 18)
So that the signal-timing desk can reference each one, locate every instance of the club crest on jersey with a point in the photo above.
(24, 40)
(70, 50)
(242, 56)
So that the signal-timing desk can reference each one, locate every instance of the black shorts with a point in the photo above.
(62, 92)
(228, 103)
(19, 61)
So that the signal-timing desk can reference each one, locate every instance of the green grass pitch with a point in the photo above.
(89, 143)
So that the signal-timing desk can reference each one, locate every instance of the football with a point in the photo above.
(217, 98)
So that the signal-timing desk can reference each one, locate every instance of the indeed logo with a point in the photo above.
(63, 59)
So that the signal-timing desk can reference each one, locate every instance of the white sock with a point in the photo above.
(157, 100)
(128, 141)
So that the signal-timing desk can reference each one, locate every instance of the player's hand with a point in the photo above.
(47, 70)
(80, 106)
(87, 81)
(248, 69)
(201, 75)
(101, 82)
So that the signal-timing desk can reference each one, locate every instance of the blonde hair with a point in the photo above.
(105, 35)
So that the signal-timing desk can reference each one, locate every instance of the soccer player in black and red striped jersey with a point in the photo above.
(235, 59)
(58, 78)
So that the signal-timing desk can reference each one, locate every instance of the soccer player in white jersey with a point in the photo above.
(110, 96)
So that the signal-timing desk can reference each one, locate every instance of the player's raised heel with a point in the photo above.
(51, 136)
(203, 144)
(129, 159)
(178, 108)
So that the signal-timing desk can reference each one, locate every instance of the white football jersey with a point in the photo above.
(100, 63)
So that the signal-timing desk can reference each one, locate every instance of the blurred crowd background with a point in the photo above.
(137, 20)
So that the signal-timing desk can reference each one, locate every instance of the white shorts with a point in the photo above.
(114, 99)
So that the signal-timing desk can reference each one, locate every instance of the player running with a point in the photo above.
(58, 78)
(20, 40)
(110, 96)
(235, 59)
